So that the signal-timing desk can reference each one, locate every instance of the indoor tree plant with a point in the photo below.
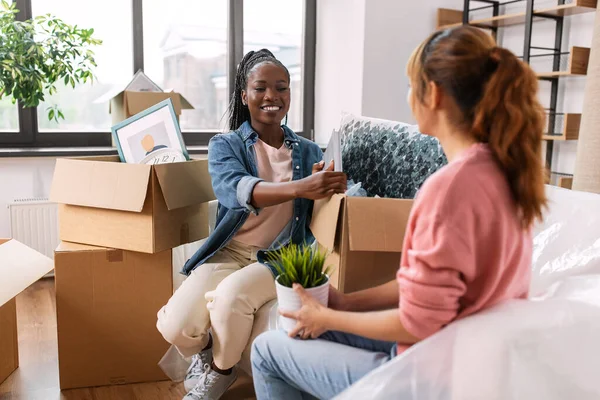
(304, 265)
(38, 53)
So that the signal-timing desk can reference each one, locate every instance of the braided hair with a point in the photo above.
(238, 112)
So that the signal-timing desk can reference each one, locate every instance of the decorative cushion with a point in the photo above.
(391, 159)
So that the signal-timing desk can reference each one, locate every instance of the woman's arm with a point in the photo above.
(381, 297)
(316, 186)
(314, 319)
(377, 325)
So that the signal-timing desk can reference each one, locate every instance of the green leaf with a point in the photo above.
(38, 53)
(51, 114)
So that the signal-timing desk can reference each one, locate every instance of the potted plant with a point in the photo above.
(37, 53)
(300, 264)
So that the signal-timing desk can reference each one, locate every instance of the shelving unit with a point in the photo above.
(565, 182)
(570, 127)
(578, 56)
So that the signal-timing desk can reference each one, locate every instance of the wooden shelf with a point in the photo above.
(571, 125)
(579, 58)
(454, 18)
(565, 182)
(447, 17)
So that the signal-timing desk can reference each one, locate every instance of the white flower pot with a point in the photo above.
(290, 301)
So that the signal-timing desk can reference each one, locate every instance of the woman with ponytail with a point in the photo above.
(468, 243)
(265, 178)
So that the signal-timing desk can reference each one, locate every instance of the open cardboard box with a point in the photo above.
(138, 95)
(145, 208)
(20, 266)
(129, 103)
(364, 236)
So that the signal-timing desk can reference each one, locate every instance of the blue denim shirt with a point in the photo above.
(233, 171)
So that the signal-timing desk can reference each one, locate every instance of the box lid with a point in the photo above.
(324, 220)
(376, 224)
(185, 183)
(20, 266)
(93, 183)
(137, 102)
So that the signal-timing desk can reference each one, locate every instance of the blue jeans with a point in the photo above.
(294, 369)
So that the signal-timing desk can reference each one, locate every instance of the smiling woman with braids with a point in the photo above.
(265, 178)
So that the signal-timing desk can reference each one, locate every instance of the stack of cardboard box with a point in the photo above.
(113, 270)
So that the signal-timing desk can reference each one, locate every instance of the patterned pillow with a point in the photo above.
(391, 159)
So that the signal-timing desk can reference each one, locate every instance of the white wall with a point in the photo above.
(22, 178)
(362, 50)
(393, 29)
(339, 62)
(363, 46)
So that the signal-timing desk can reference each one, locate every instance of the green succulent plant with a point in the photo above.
(299, 264)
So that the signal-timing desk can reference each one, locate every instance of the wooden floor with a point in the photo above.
(37, 376)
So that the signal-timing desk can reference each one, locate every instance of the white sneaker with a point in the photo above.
(211, 385)
(196, 369)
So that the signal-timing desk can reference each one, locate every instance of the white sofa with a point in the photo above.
(547, 347)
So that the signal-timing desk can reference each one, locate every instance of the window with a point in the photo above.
(9, 116)
(282, 35)
(191, 46)
(9, 113)
(83, 107)
(185, 49)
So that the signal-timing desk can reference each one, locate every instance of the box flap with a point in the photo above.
(67, 247)
(101, 184)
(136, 102)
(110, 95)
(185, 183)
(20, 266)
(377, 224)
(185, 104)
(142, 83)
(325, 220)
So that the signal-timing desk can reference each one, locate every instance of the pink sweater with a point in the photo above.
(464, 248)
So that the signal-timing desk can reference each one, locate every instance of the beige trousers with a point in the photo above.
(222, 294)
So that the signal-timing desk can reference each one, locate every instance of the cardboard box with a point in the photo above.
(128, 103)
(145, 208)
(365, 237)
(106, 306)
(139, 94)
(20, 266)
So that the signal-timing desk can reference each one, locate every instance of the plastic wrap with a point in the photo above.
(390, 158)
(568, 241)
(547, 347)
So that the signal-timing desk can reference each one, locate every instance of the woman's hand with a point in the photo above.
(322, 183)
(311, 317)
(337, 300)
(317, 167)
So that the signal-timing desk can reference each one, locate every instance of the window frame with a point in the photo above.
(28, 134)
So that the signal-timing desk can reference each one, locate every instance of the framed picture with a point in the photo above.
(151, 137)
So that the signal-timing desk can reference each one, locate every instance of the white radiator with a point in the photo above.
(34, 222)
